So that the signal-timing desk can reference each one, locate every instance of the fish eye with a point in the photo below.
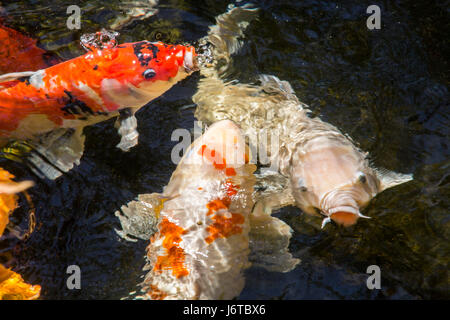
(149, 73)
(362, 177)
(301, 185)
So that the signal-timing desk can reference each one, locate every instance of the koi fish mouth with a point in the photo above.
(190, 63)
(343, 215)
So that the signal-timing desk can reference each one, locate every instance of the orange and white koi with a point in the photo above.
(58, 102)
(201, 246)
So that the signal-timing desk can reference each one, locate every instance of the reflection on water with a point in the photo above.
(388, 89)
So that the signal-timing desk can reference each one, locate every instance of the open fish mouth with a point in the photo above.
(343, 215)
(349, 209)
(190, 60)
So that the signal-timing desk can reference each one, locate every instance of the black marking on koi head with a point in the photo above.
(95, 67)
(140, 48)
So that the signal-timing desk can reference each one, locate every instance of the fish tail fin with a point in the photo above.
(272, 84)
(214, 56)
(139, 218)
(225, 36)
(51, 155)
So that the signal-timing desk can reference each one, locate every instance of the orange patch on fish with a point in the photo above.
(230, 172)
(13, 287)
(159, 208)
(231, 188)
(247, 158)
(224, 227)
(175, 257)
(214, 157)
(156, 294)
(219, 162)
(216, 205)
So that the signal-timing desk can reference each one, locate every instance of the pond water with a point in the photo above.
(387, 89)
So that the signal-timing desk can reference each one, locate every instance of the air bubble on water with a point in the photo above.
(103, 39)
(204, 54)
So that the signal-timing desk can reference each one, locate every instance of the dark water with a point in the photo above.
(388, 89)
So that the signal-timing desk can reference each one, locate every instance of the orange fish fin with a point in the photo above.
(13, 287)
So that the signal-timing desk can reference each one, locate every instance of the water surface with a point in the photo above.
(387, 89)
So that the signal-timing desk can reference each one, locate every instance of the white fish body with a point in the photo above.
(201, 247)
(327, 173)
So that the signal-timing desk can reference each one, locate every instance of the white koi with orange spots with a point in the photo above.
(202, 244)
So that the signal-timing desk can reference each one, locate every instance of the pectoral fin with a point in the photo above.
(389, 179)
(272, 84)
(15, 76)
(269, 239)
(139, 218)
(51, 154)
(127, 125)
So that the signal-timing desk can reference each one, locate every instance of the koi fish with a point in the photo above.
(326, 173)
(50, 107)
(202, 244)
(203, 236)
